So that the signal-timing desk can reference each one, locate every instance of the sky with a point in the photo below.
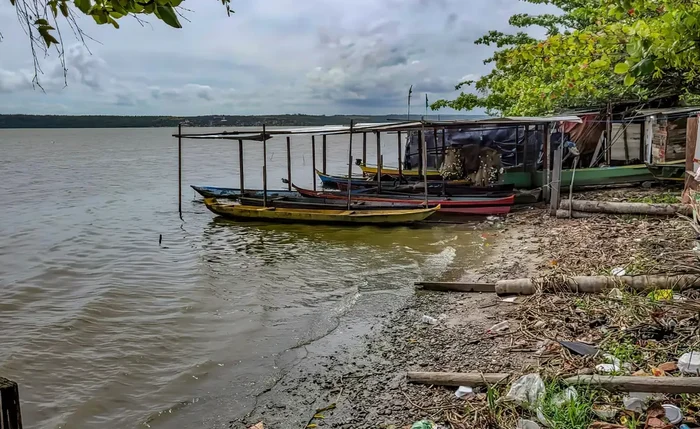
(270, 57)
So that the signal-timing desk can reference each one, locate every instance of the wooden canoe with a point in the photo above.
(326, 204)
(371, 170)
(234, 193)
(445, 202)
(356, 217)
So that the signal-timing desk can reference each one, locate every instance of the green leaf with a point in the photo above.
(41, 22)
(622, 68)
(629, 80)
(83, 5)
(64, 9)
(167, 14)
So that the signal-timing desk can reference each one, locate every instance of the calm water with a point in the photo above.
(103, 327)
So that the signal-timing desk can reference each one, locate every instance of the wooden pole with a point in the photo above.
(555, 183)
(545, 162)
(313, 158)
(456, 378)
(324, 154)
(241, 174)
(608, 135)
(10, 413)
(264, 136)
(289, 163)
(364, 148)
(398, 144)
(421, 137)
(517, 141)
(456, 286)
(425, 162)
(526, 141)
(179, 169)
(364, 138)
(442, 160)
(630, 383)
(379, 163)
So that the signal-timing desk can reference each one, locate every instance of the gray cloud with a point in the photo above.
(278, 56)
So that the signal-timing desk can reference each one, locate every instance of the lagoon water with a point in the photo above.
(102, 326)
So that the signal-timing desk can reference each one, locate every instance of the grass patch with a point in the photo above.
(574, 413)
(664, 198)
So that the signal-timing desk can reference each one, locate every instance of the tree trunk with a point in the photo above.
(639, 384)
(598, 284)
(626, 208)
(457, 286)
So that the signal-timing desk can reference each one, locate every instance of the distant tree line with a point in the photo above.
(99, 121)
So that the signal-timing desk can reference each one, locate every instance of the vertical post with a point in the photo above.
(608, 135)
(264, 136)
(10, 413)
(289, 163)
(442, 160)
(313, 158)
(379, 162)
(324, 154)
(526, 142)
(425, 163)
(421, 146)
(240, 167)
(545, 162)
(435, 149)
(179, 169)
(352, 124)
(517, 143)
(364, 148)
(556, 176)
(398, 144)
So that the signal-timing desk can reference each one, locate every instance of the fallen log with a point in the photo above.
(564, 214)
(598, 284)
(625, 208)
(470, 379)
(457, 286)
(639, 384)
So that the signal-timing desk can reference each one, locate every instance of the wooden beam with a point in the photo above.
(597, 150)
(313, 159)
(289, 164)
(10, 413)
(555, 182)
(364, 148)
(264, 167)
(379, 162)
(179, 169)
(323, 150)
(457, 286)
(639, 384)
(241, 175)
(545, 161)
(398, 142)
(471, 379)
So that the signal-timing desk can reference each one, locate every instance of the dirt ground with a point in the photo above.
(368, 388)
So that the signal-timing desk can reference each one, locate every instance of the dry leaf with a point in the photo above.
(668, 367)
(657, 372)
(258, 426)
(640, 373)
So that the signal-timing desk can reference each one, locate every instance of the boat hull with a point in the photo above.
(234, 193)
(274, 214)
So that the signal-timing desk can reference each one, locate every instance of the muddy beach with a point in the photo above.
(363, 385)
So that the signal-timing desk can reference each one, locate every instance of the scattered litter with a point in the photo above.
(661, 295)
(615, 293)
(429, 320)
(464, 392)
(498, 327)
(423, 424)
(258, 426)
(528, 389)
(657, 372)
(568, 395)
(542, 418)
(612, 364)
(509, 299)
(677, 297)
(684, 426)
(633, 404)
(492, 218)
(527, 424)
(673, 413)
(580, 349)
(540, 324)
(605, 411)
(619, 272)
(690, 362)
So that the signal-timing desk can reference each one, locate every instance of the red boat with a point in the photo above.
(454, 205)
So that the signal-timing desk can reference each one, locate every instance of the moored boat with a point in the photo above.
(294, 215)
(457, 205)
(234, 193)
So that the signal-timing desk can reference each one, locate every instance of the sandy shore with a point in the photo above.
(364, 385)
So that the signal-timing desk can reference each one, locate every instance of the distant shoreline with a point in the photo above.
(113, 121)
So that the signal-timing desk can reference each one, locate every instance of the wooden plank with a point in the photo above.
(457, 286)
(313, 159)
(639, 384)
(471, 379)
(555, 183)
(323, 151)
(379, 162)
(179, 169)
(264, 166)
(597, 150)
(546, 161)
(10, 413)
(289, 165)
(691, 142)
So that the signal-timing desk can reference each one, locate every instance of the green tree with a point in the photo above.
(594, 51)
(41, 19)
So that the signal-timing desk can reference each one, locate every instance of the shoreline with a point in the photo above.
(366, 387)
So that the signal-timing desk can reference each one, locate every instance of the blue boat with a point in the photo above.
(235, 193)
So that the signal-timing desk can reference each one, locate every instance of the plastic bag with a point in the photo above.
(423, 424)
(527, 390)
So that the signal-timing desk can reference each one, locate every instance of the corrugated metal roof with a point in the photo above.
(382, 127)
(667, 111)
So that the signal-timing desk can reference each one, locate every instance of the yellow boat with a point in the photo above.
(277, 214)
(370, 170)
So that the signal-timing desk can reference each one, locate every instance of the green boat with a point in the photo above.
(584, 176)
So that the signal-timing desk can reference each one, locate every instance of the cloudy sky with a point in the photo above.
(271, 56)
